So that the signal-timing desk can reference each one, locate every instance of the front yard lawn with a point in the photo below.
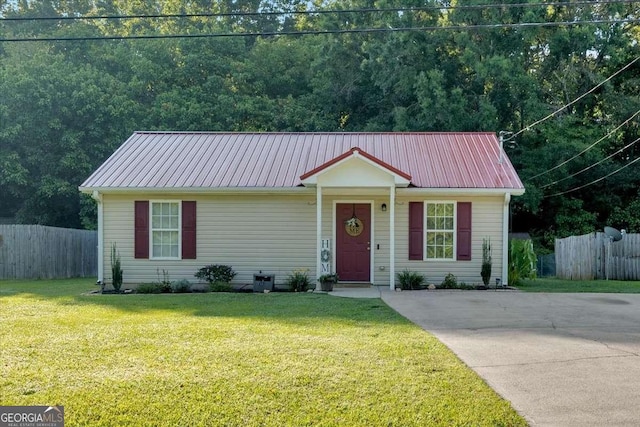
(569, 286)
(230, 360)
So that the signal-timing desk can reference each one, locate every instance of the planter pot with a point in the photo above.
(326, 286)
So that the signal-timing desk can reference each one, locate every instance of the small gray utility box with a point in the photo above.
(263, 282)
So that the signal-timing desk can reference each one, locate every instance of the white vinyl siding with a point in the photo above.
(440, 230)
(165, 229)
(276, 234)
(486, 217)
(270, 233)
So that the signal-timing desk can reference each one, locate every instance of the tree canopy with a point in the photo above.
(326, 65)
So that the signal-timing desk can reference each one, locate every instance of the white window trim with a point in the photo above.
(151, 202)
(455, 230)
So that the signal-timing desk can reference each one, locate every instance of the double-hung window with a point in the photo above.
(165, 229)
(440, 230)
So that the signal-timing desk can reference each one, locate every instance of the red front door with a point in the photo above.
(353, 242)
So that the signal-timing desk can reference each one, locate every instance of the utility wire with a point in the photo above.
(344, 31)
(596, 181)
(325, 12)
(572, 102)
(586, 149)
(591, 166)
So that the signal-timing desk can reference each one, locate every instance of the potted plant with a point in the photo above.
(327, 281)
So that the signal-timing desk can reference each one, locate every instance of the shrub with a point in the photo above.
(116, 269)
(216, 273)
(485, 271)
(450, 282)
(149, 288)
(220, 287)
(165, 282)
(522, 261)
(298, 281)
(410, 280)
(466, 287)
(181, 286)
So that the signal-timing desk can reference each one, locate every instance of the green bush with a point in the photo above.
(216, 273)
(149, 288)
(220, 287)
(466, 287)
(450, 282)
(181, 286)
(164, 283)
(410, 280)
(116, 269)
(485, 272)
(522, 261)
(298, 281)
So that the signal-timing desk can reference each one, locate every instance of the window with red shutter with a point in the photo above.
(162, 229)
(463, 244)
(189, 230)
(416, 230)
(141, 229)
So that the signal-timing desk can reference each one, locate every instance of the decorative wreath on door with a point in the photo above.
(353, 226)
(325, 254)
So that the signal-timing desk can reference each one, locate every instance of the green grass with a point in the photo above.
(230, 359)
(598, 286)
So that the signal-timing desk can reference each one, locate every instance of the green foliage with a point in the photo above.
(181, 286)
(298, 280)
(216, 273)
(522, 261)
(220, 287)
(485, 271)
(409, 280)
(116, 269)
(627, 217)
(66, 106)
(450, 282)
(165, 283)
(326, 278)
(149, 288)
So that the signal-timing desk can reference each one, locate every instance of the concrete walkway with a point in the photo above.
(560, 359)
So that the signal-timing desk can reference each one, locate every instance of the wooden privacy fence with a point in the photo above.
(39, 252)
(594, 256)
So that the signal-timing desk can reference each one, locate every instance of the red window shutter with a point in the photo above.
(416, 230)
(141, 229)
(464, 232)
(188, 230)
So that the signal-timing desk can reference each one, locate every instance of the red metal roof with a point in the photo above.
(278, 160)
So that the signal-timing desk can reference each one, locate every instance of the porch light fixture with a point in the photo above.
(384, 207)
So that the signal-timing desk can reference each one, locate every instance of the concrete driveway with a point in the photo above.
(560, 359)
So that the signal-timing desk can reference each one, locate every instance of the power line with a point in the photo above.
(591, 166)
(571, 103)
(343, 31)
(323, 12)
(595, 181)
(586, 149)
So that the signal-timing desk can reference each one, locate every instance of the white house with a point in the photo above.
(364, 205)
